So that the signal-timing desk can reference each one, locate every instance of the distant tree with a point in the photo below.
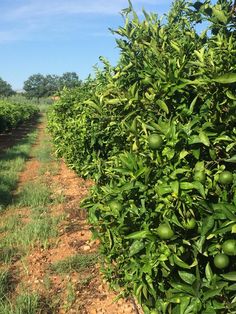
(38, 85)
(69, 80)
(52, 84)
(35, 86)
(5, 89)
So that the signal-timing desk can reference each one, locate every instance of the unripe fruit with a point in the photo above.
(115, 206)
(229, 247)
(165, 232)
(226, 177)
(154, 141)
(221, 261)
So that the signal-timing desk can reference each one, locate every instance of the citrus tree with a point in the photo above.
(158, 133)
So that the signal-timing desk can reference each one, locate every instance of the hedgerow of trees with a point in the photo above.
(157, 132)
(38, 85)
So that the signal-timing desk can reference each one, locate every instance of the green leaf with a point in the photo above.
(180, 263)
(222, 138)
(162, 105)
(232, 287)
(225, 78)
(183, 154)
(138, 235)
(219, 14)
(207, 224)
(212, 293)
(232, 159)
(208, 272)
(175, 187)
(93, 105)
(204, 138)
(230, 95)
(136, 247)
(194, 185)
(231, 276)
(233, 229)
(183, 288)
(113, 101)
(200, 166)
(187, 277)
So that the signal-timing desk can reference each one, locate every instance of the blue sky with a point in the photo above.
(57, 36)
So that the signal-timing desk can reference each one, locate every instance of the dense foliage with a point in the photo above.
(12, 114)
(38, 85)
(158, 134)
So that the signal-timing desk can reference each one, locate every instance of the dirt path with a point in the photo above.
(80, 288)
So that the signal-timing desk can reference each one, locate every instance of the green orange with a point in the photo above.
(189, 224)
(221, 261)
(226, 177)
(229, 247)
(155, 141)
(165, 232)
(115, 206)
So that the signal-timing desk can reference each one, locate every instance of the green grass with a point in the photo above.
(24, 304)
(5, 284)
(11, 164)
(34, 194)
(38, 231)
(10, 223)
(70, 296)
(44, 151)
(7, 254)
(78, 262)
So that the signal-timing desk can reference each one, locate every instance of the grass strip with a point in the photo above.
(12, 162)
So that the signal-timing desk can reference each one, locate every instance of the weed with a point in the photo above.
(24, 304)
(78, 262)
(84, 282)
(71, 296)
(27, 303)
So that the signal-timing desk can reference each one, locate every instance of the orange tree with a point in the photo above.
(13, 114)
(164, 207)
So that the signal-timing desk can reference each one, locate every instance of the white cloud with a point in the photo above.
(35, 8)
(24, 18)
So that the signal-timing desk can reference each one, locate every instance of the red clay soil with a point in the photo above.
(91, 294)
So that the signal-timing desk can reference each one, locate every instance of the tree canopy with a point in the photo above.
(5, 89)
(38, 85)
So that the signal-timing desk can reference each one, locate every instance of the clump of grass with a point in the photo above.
(5, 284)
(10, 224)
(78, 262)
(28, 304)
(7, 254)
(35, 194)
(70, 296)
(84, 282)
(24, 304)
